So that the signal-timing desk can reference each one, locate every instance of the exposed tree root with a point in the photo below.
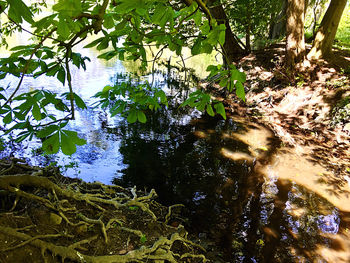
(141, 254)
(76, 217)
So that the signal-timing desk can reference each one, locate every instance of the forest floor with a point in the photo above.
(309, 112)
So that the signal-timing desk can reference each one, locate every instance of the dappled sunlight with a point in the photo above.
(236, 156)
(258, 137)
(339, 250)
(316, 52)
(310, 228)
(289, 165)
(200, 134)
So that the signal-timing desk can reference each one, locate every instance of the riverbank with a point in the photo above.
(310, 115)
(45, 217)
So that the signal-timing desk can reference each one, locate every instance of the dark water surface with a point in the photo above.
(236, 213)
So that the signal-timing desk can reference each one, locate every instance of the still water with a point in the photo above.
(210, 165)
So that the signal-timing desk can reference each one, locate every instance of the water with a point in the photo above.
(210, 165)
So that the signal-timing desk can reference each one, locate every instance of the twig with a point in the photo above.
(26, 68)
(69, 80)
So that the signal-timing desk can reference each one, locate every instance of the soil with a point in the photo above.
(308, 110)
(45, 217)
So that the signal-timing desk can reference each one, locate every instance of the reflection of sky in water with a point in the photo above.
(99, 158)
(329, 223)
(199, 196)
(309, 219)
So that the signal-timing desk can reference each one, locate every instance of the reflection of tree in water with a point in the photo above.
(182, 167)
(297, 225)
(249, 219)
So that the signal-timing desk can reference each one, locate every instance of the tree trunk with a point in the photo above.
(322, 46)
(231, 48)
(295, 44)
(278, 25)
(306, 5)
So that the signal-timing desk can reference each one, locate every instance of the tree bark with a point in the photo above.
(231, 48)
(278, 25)
(295, 44)
(322, 45)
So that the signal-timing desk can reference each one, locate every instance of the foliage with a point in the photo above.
(125, 28)
(314, 13)
(252, 17)
(131, 100)
(343, 33)
(230, 78)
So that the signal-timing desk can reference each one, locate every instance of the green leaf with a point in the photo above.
(141, 117)
(8, 118)
(210, 110)
(94, 43)
(73, 136)
(159, 13)
(223, 82)
(196, 49)
(106, 89)
(127, 5)
(132, 117)
(143, 238)
(68, 7)
(52, 144)
(3, 5)
(121, 25)
(23, 135)
(61, 75)
(108, 22)
(118, 108)
(205, 28)
(2, 97)
(36, 112)
(237, 75)
(103, 44)
(240, 90)
(19, 10)
(220, 109)
(63, 29)
(67, 145)
(222, 37)
(46, 131)
(79, 102)
(207, 48)
(197, 18)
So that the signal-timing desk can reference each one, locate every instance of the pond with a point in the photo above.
(208, 164)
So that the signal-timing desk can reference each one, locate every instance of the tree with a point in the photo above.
(214, 10)
(231, 48)
(322, 45)
(278, 21)
(295, 44)
(126, 27)
(252, 19)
